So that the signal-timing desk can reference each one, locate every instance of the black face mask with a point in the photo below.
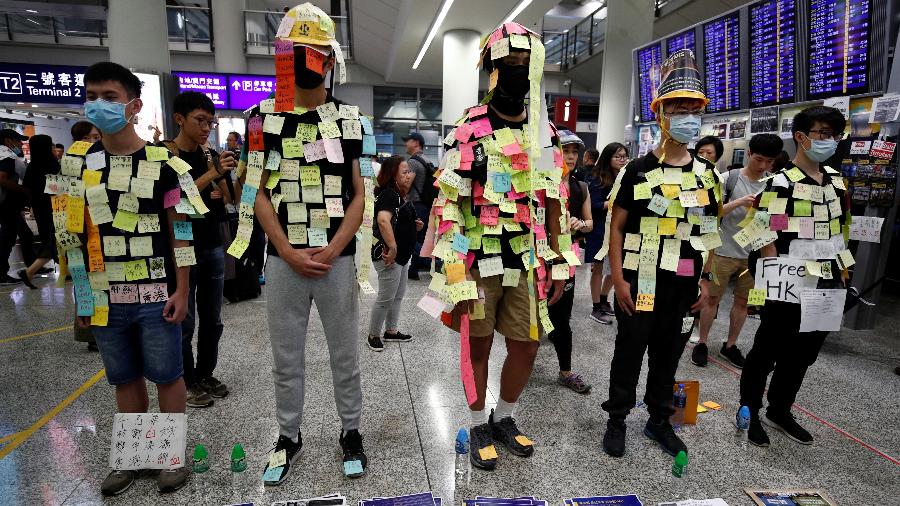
(303, 77)
(512, 86)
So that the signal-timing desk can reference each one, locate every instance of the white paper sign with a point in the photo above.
(783, 278)
(860, 147)
(821, 309)
(866, 228)
(148, 441)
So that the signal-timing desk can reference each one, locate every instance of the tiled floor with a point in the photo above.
(414, 405)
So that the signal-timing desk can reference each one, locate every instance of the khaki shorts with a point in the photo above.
(724, 268)
(506, 309)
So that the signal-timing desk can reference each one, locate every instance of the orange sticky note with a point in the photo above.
(456, 273)
(644, 302)
(703, 197)
(524, 441)
(712, 405)
(488, 453)
(315, 61)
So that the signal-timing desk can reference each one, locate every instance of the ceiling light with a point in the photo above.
(31, 11)
(445, 8)
(33, 105)
(516, 11)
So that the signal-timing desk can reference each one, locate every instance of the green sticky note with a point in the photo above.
(766, 199)
(642, 191)
(794, 174)
(291, 147)
(835, 226)
(125, 220)
(675, 210)
(490, 245)
(802, 208)
(757, 297)
(688, 181)
(306, 132)
(521, 182)
(156, 153)
(654, 177)
(518, 243)
(274, 177)
(649, 225)
(565, 242)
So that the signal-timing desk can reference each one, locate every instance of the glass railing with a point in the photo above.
(190, 28)
(38, 29)
(575, 45)
(261, 26)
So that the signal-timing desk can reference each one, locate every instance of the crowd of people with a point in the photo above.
(501, 223)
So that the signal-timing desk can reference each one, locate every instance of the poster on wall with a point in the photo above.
(764, 120)
(151, 115)
(737, 129)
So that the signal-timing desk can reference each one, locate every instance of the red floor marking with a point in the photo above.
(824, 422)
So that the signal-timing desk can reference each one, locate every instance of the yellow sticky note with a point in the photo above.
(757, 297)
(654, 177)
(667, 226)
(135, 270)
(156, 153)
(649, 225)
(455, 273)
(712, 405)
(179, 165)
(273, 124)
(670, 191)
(91, 177)
(238, 247)
(701, 409)
(688, 181)
(845, 259)
(79, 148)
(488, 453)
(309, 175)
(185, 256)
(75, 215)
(642, 191)
(292, 147)
(766, 199)
(703, 197)
(523, 440)
(100, 318)
(306, 132)
(794, 174)
(644, 302)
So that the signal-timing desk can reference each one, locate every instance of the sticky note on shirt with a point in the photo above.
(184, 230)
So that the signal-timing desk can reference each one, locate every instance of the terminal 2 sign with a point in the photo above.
(43, 84)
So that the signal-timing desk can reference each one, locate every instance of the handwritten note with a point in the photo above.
(148, 441)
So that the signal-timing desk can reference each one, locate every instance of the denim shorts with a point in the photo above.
(138, 342)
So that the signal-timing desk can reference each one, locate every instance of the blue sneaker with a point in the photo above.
(262, 280)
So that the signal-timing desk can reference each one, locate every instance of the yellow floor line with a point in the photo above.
(33, 334)
(8, 437)
(21, 437)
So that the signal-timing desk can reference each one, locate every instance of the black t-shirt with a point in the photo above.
(298, 222)
(207, 234)
(153, 222)
(35, 179)
(636, 173)
(10, 198)
(388, 200)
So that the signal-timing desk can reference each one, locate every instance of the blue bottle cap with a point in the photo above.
(744, 412)
(462, 435)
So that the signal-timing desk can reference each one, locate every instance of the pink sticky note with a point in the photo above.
(463, 132)
(477, 189)
(172, 198)
(489, 215)
(685, 267)
(557, 158)
(514, 28)
(563, 190)
(465, 152)
(807, 228)
(512, 149)
(445, 226)
(778, 222)
(333, 151)
(497, 35)
(523, 214)
(481, 127)
(519, 161)
(463, 166)
(470, 259)
(478, 110)
(514, 195)
(541, 289)
(540, 232)
(465, 360)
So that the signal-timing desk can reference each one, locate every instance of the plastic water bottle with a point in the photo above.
(742, 425)
(679, 474)
(462, 463)
(677, 419)
(239, 476)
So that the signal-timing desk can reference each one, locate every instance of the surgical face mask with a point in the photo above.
(107, 116)
(821, 150)
(684, 127)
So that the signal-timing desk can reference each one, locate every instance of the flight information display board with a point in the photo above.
(721, 44)
(683, 40)
(839, 33)
(649, 62)
(773, 37)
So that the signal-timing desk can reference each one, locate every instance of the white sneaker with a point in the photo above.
(695, 338)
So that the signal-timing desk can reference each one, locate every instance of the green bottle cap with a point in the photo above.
(238, 464)
(237, 452)
(200, 452)
(681, 459)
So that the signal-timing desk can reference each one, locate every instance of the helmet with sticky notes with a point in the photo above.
(307, 24)
(679, 78)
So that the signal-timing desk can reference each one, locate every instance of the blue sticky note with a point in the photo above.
(352, 468)
(366, 125)
(502, 182)
(365, 167)
(368, 147)
(461, 243)
(248, 195)
(273, 474)
(184, 231)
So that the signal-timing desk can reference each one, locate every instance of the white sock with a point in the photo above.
(479, 417)
(504, 409)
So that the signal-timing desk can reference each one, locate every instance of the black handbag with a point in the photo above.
(378, 244)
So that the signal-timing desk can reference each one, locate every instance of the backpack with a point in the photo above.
(730, 184)
(245, 285)
(429, 190)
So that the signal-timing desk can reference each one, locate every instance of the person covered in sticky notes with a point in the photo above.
(121, 200)
(799, 219)
(302, 180)
(498, 233)
(665, 208)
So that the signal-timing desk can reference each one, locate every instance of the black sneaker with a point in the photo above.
(355, 461)
(413, 274)
(786, 423)
(6, 280)
(23, 275)
(214, 387)
(600, 317)
(375, 343)
(614, 438)
(700, 355)
(607, 308)
(506, 432)
(482, 452)
(663, 434)
(733, 355)
(398, 337)
(291, 452)
(756, 434)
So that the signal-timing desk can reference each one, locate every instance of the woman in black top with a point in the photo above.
(43, 162)
(395, 238)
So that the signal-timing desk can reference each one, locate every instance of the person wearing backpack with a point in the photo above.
(741, 187)
(391, 252)
(421, 194)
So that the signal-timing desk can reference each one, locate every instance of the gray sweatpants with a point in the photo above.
(391, 289)
(289, 301)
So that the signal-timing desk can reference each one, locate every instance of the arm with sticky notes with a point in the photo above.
(176, 307)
